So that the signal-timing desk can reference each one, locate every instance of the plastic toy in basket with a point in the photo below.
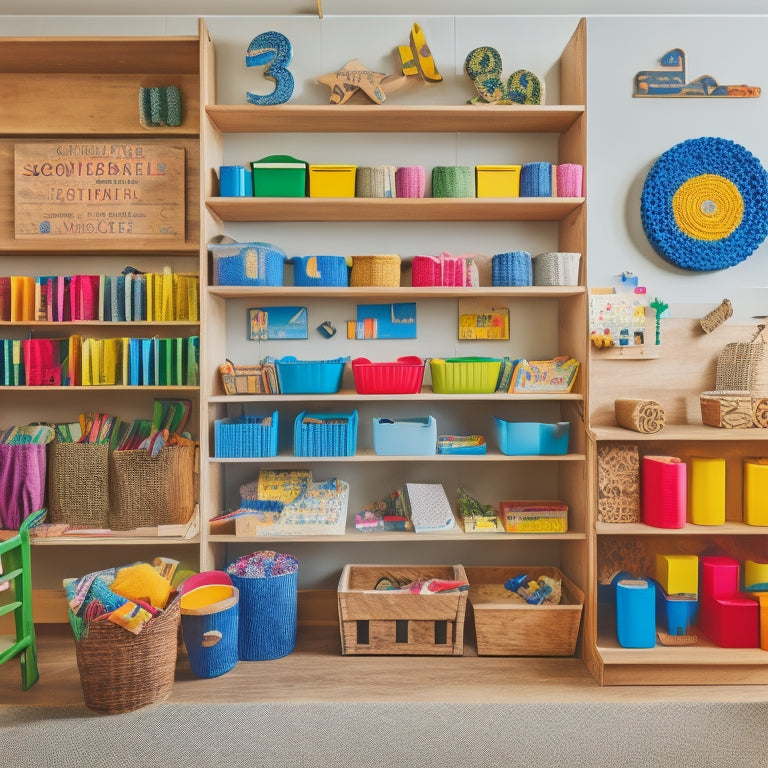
(324, 270)
(465, 375)
(306, 377)
(555, 375)
(246, 263)
(401, 377)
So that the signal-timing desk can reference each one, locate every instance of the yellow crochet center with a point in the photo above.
(708, 207)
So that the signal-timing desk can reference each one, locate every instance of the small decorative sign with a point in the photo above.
(99, 189)
(277, 323)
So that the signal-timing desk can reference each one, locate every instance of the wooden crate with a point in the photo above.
(507, 627)
(399, 623)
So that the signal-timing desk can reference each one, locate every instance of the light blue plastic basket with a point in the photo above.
(519, 438)
(309, 377)
(405, 437)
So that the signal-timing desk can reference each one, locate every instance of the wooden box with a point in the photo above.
(505, 626)
(390, 622)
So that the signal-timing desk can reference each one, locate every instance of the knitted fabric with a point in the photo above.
(569, 180)
(378, 181)
(536, 180)
(410, 181)
(514, 268)
(704, 204)
(453, 181)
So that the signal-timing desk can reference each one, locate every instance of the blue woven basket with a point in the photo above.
(246, 263)
(512, 268)
(536, 180)
(325, 434)
(211, 637)
(246, 437)
(268, 607)
(320, 270)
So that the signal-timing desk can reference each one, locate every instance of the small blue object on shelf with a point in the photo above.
(256, 264)
(461, 444)
(275, 50)
(676, 612)
(246, 437)
(235, 181)
(325, 434)
(514, 268)
(309, 377)
(536, 180)
(636, 613)
(532, 438)
(404, 437)
(324, 270)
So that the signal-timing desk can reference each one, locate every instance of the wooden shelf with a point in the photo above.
(400, 293)
(392, 209)
(680, 433)
(639, 529)
(384, 118)
(369, 456)
(425, 394)
(403, 537)
(118, 325)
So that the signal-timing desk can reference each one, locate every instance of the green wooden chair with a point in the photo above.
(16, 598)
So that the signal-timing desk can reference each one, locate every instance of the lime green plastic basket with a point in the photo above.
(464, 375)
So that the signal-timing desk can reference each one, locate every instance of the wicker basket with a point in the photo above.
(148, 490)
(120, 671)
(375, 270)
(376, 181)
(78, 484)
(744, 365)
(242, 379)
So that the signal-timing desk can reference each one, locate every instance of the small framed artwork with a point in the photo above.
(277, 323)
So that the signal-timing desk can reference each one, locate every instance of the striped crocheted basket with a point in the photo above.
(445, 270)
(704, 204)
(570, 180)
(512, 269)
(453, 181)
(377, 181)
(536, 180)
(381, 270)
(410, 181)
(556, 268)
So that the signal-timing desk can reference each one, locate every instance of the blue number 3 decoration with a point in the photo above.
(274, 50)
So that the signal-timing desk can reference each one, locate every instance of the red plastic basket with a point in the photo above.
(402, 377)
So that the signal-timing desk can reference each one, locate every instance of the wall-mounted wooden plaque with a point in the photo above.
(98, 189)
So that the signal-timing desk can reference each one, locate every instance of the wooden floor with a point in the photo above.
(316, 671)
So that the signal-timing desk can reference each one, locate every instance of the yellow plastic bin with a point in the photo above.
(332, 180)
(497, 180)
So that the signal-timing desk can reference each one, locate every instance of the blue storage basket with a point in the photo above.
(320, 270)
(211, 636)
(518, 438)
(405, 437)
(513, 268)
(309, 377)
(325, 434)
(246, 437)
(246, 263)
(268, 607)
(536, 180)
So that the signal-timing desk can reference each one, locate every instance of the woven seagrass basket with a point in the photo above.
(376, 181)
(120, 671)
(744, 365)
(148, 490)
(381, 270)
(78, 484)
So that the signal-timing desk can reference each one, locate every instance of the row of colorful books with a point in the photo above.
(76, 361)
(129, 297)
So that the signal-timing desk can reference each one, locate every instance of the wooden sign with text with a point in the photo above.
(99, 189)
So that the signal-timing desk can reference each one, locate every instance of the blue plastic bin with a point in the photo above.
(325, 434)
(257, 264)
(405, 437)
(309, 377)
(246, 437)
(518, 438)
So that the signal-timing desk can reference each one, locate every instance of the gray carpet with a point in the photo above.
(389, 736)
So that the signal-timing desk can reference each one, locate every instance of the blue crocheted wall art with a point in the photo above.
(704, 204)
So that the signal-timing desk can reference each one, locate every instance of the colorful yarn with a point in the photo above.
(704, 204)
(536, 180)
(570, 180)
(410, 181)
(263, 564)
(142, 582)
(453, 181)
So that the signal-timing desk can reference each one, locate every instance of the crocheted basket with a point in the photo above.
(453, 181)
(378, 181)
(328, 271)
(512, 269)
(246, 263)
(445, 270)
(410, 181)
(536, 180)
(382, 269)
(704, 204)
(556, 268)
(570, 177)
(268, 586)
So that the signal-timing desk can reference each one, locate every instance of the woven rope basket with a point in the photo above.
(377, 181)
(382, 270)
(743, 366)
(78, 484)
(120, 671)
(148, 490)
